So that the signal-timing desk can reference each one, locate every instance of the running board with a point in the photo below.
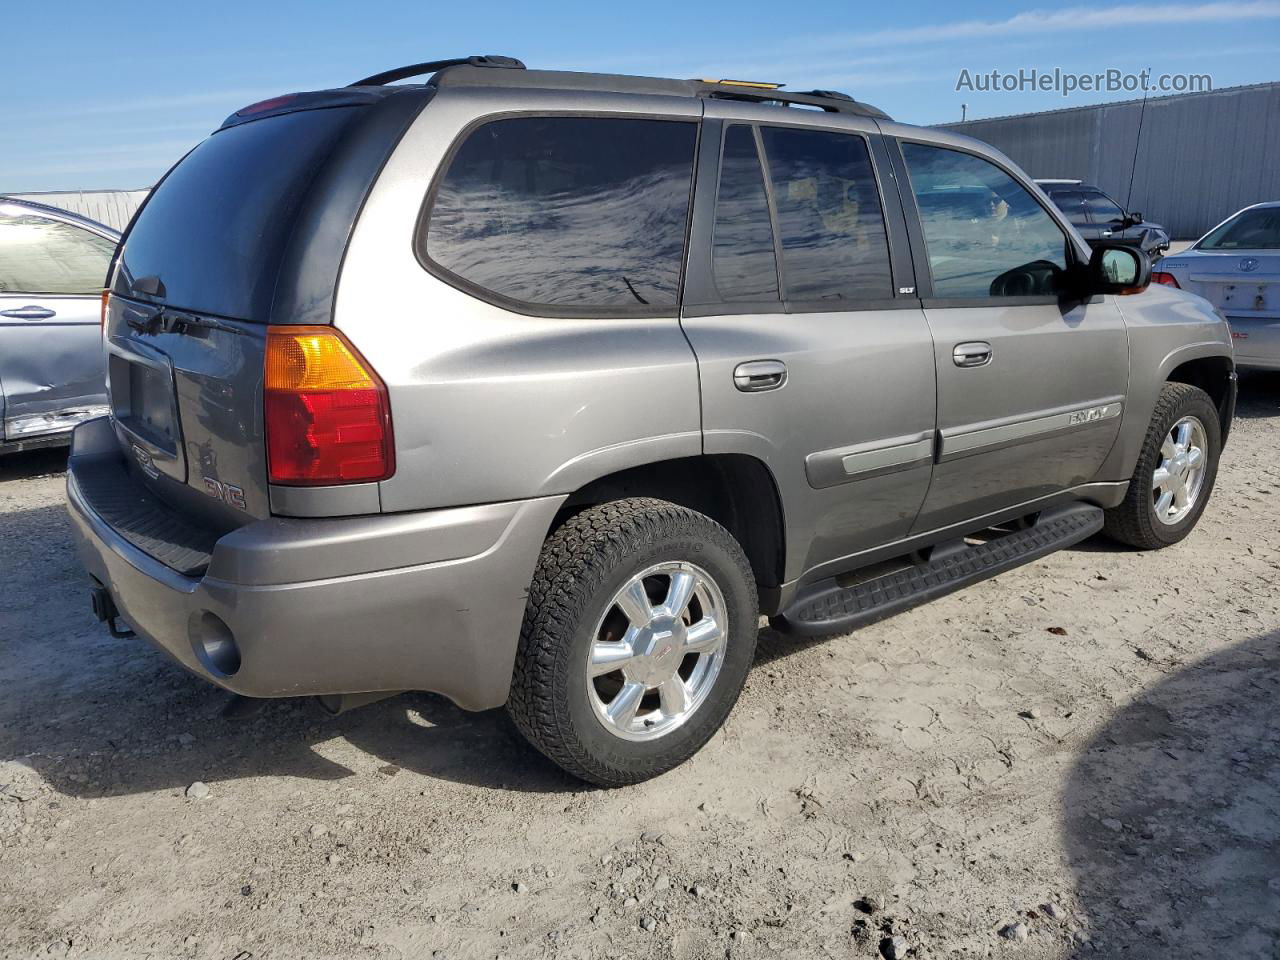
(825, 607)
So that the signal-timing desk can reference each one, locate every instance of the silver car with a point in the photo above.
(1236, 267)
(53, 266)
(539, 389)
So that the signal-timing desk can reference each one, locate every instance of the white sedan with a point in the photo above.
(1236, 267)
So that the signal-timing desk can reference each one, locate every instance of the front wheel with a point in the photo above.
(1175, 472)
(638, 634)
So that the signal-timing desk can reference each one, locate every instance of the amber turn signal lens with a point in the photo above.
(326, 412)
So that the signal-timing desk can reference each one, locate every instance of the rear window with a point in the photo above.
(213, 233)
(834, 246)
(583, 213)
(1257, 229)
(742, 255)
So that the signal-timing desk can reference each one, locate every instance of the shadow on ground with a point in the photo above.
(1259, 395)
(1172, 815)
(33, 463)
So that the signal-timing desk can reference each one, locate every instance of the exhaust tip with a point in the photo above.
(214, 644)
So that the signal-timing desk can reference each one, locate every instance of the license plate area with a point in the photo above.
(144, 407)
(1233, 296)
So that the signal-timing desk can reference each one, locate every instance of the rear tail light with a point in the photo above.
(327, 415)
(1168, 279)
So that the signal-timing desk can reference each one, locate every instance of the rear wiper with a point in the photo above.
(633, 291)
(167, 321)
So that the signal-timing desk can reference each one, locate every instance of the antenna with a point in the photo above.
(964, 111)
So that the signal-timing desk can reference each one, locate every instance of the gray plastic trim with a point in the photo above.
(827, 468)
(352, 500)
(962, 443)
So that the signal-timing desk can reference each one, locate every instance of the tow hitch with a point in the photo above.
(104, 608)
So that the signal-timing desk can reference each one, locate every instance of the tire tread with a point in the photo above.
(575, 559)
(1131, 522)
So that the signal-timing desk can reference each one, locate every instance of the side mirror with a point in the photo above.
(1119, 269)
(1135, 218)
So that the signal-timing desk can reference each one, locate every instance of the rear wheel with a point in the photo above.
(638, 635)
(1175, 472)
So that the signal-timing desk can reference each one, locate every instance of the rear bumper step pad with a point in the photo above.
(826, 608)
(140, 517)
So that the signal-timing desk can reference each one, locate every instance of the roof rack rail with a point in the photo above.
(831, 101)
(432, 66)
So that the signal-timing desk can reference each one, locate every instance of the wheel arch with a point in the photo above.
(738, 491)
(1215, 375)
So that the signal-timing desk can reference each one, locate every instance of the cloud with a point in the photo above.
(1034, 22)
(155, 156)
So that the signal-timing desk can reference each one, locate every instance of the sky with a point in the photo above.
(108, 96)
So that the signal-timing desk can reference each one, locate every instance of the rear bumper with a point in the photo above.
(420, 601)
(1256, 341)
(35, 443)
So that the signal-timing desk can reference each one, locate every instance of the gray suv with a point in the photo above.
(538, 389)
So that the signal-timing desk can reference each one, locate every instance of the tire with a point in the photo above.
(1135, 521)
(583, 566)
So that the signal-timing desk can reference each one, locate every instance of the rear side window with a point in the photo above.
(742, 257)
(986, 235)
(213, 232)
(585, 213)
(834, 246)
(42, 255)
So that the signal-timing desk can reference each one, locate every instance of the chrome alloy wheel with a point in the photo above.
(1179, 478)
(657, 651)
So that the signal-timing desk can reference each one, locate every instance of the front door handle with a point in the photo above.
(976, 353)
(28, 313)
(758, 375)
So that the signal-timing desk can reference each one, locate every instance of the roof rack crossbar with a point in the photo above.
(433, 66)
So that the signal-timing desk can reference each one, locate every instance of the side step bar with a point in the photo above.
(825, 607)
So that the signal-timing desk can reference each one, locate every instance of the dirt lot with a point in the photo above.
(1097, 732)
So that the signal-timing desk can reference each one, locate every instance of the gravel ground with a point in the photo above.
(1080, 758)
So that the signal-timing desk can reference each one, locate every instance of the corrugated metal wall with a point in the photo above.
(112, 207)
(1200, 157)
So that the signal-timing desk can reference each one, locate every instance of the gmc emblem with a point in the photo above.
(226, 492)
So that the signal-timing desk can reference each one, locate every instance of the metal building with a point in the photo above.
(112, 207)
(1185, 161)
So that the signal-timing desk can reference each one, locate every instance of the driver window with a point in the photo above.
(1102, 208)
(986, 235)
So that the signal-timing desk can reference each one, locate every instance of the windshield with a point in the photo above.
(1257, 229)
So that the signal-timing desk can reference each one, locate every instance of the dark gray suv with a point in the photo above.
(1099, 219)
(539, 389)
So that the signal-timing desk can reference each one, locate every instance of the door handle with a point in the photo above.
(1106, 233)
(973, 354)
(758, 375)
(28, 313)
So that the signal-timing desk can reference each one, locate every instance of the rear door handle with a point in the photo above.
(759, 375)
(28, 313)
(976, 353)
